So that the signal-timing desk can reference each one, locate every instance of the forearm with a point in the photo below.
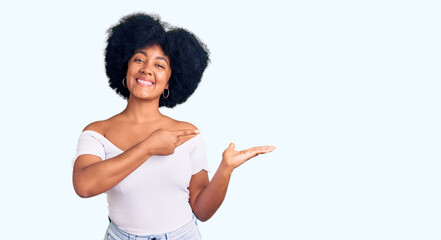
(210, 199)
(101, 176)
(92, 176)
(212, 194)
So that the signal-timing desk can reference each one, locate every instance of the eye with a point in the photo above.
(138, 60)
(160, 66)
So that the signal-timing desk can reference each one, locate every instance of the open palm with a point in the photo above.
(233, 158)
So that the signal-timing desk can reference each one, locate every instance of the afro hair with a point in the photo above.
(188, 55)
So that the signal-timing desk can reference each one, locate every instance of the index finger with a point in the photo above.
(186, 132)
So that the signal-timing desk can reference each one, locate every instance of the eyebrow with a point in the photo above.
(145, 54)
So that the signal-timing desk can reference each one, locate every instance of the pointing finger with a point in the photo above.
(186, 132)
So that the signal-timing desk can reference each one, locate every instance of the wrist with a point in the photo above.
(224, 167)
(146, 148)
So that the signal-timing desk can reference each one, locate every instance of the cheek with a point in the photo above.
(130, 69)
(165, 76)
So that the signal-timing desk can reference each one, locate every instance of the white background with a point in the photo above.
(349, 92)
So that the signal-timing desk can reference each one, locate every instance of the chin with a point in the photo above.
(145, 96)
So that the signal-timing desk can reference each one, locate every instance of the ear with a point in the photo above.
(167, 86)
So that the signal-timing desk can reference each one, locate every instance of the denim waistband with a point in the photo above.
(123, 235)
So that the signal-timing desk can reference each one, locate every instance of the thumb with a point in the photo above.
(231, 146)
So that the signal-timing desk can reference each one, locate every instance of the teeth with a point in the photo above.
(145, 82)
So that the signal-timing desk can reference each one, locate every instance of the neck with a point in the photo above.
(142, 111)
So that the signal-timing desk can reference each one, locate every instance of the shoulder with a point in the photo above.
(181, 125)
(100, 126)
(185, 125)
(174, 124)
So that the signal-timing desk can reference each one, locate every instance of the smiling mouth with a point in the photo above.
(146, 83)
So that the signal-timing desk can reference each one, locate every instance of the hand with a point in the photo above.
(233, 159)
(164, 142)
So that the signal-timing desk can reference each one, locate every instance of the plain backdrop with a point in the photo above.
(348, 92)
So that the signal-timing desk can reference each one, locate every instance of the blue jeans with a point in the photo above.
(189, 231)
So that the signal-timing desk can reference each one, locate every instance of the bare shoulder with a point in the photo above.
(100, 126)
(181, 125)
(186, 125)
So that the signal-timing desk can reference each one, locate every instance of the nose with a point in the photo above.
(146, 70)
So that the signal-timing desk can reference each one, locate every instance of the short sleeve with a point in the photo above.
(199, 156)
(89, 143)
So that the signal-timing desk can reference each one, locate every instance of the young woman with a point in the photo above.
(152, 167)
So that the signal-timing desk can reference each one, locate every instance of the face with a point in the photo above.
(148, 73)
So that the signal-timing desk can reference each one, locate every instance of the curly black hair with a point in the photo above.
(188, 55)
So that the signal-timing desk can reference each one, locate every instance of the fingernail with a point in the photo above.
(196, 131)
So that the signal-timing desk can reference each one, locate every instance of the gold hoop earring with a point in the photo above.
(123, 82)
(168, 93)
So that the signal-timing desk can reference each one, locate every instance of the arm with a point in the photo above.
(207, 196)
(92, 176)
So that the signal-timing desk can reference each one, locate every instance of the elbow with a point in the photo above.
(82, 191)
(203, 217)
(83, 188)
(203, 212)
(83, 194)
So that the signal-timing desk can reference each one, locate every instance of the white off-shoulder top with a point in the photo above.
(154, 198)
